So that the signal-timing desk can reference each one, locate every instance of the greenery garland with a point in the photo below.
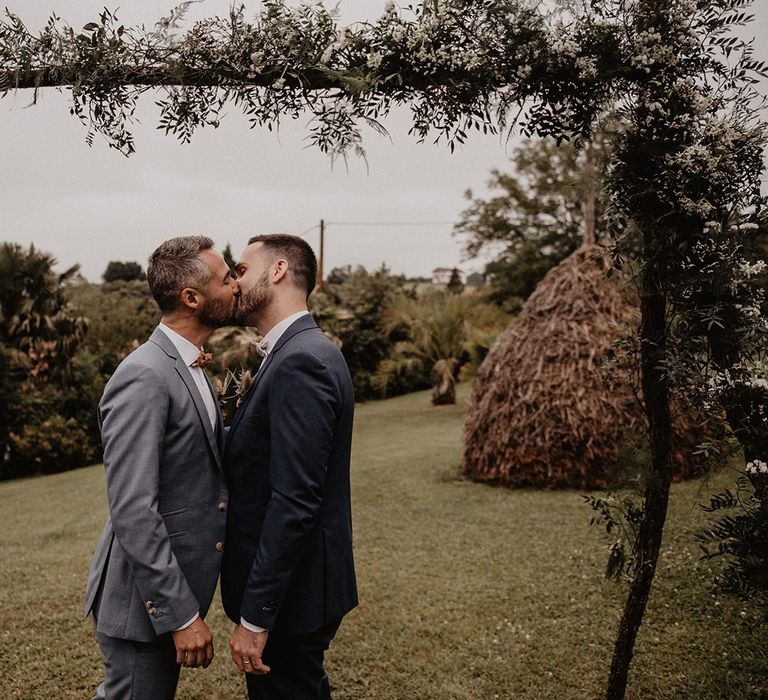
(460, 65)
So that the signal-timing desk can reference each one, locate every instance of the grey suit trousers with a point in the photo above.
(138, 670)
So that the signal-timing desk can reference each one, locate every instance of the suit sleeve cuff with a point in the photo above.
(187, 624)
(252, 628)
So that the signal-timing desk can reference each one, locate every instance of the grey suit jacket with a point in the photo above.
(159, 556)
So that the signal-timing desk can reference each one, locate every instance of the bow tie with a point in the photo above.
(261, 347)
(203, 359)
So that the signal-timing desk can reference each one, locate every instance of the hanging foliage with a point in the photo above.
(459, 65)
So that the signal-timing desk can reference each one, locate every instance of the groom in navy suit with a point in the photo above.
(288, 574)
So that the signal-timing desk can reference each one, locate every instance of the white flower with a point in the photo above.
(389, 7)
(279, 84)
(756, 466)
(256, 59)
(750, 270)
(374, 60)
(587, 66)
(565, 46)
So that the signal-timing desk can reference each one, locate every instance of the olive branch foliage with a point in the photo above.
(740, 536)
(460, 65)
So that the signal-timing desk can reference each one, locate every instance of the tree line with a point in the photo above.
(61, 337)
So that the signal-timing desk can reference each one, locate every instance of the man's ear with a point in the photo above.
(279, 270)
(190, 298)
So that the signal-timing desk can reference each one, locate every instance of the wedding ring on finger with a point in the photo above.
(247, 662)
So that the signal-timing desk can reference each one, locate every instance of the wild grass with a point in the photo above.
(467, 592)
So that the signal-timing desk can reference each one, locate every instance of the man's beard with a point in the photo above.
(256, 298)
(216, 314)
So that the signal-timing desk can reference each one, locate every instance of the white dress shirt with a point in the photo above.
(278, 329)
(270, 340)
(188, 352)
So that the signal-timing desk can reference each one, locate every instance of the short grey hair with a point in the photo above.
(175, 265)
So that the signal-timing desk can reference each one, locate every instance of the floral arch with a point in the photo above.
(686, 171)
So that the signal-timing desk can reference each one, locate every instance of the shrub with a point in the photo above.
(123, 271)
(121, 315)
(740, 537)
(55, 445)
(31, 405)
(351, 309)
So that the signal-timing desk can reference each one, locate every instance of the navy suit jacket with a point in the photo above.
(288, 555)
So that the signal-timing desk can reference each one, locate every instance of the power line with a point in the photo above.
(323, 224)
(307, 230)
(390, 223)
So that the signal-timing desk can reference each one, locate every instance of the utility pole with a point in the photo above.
(320, 270)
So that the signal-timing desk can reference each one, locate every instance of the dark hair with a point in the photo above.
(299, 254)
(175, 265)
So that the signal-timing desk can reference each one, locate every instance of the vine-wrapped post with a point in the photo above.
(687, 175)
(638, 158)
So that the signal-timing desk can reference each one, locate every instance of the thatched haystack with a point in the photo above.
(553, 400)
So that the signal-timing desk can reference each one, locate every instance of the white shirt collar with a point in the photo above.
(188, 351)
(278, 329)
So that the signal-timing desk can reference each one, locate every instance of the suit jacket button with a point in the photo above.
(149, 605)
(153, 611)
(223, 506)
(219, 546)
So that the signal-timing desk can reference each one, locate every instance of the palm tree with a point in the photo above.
(39, 334)
(442, 333)
(37, 324)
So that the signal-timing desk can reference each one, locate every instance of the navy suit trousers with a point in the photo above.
(296, 663)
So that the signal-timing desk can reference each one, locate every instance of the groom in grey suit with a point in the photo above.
(155, 568)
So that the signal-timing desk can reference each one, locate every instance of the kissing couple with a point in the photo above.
(265, 502)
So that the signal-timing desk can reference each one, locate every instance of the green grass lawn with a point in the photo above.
(466, 591)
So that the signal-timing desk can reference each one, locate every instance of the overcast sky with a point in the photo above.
(91, 205)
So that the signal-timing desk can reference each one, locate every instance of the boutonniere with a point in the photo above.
(230, 390)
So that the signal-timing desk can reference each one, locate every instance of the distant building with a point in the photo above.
(442, 275)
(476, 279)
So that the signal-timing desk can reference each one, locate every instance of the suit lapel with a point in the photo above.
(304, 323)
(219, 418)
(202, 413)
(250, 391)
(161, 339)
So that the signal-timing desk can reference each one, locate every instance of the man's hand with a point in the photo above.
(194, 645)
(247, 648)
